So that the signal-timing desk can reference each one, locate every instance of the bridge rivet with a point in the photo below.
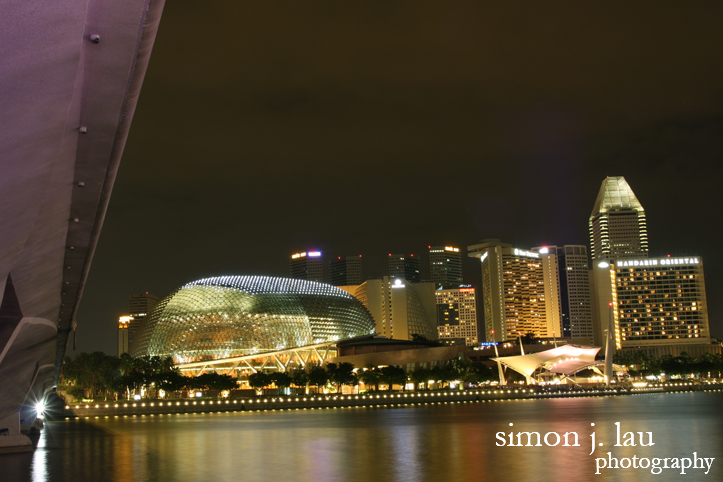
(95, 38)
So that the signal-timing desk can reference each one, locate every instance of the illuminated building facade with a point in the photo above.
(400, 308)
(231, 316)
(519, 291)
(457, 316)
(405, 266)
(308, 265)
(139, 305)
(651, 301)
(571, 267)
(346, 271)
(618, 228)
(123, 338)
(445, 266)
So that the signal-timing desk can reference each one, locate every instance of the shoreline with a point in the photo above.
(323, 401)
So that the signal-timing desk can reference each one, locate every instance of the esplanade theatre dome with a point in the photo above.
(227, 316)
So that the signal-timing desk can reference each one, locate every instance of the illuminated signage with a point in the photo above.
(298, 255)
(314, 254)
(398, 283)
(603, 264)
(529, 254)
(450, 248)
(544, 250)
(484, 256)
(657, 262)
(466, 290)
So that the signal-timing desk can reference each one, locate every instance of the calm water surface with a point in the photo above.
(453, 442)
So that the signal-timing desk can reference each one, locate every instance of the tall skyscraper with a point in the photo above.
(651, 301)
(346, 270)
(139, 307)
(618, 228)
(400, 309)
(519, 289)
(123, 338)
(405, 266)
(575, 302)
(457, 316)
(445, 266)
(308, 265)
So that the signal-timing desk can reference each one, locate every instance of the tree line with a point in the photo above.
(641, 364)
(97, 375)
(343, 374)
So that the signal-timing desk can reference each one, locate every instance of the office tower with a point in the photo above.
(445, 266)
(141, 304)
(651, 301)
(405, 266)
(307, 265)
(400, 309)
(519, 290)
(457, 316)
(139, 307)
(123, 338)
(345, 271)
(618, 228)
(575, 295)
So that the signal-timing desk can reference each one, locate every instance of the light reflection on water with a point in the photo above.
(429, 443)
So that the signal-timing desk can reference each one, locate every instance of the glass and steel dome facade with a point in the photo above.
(227, 316)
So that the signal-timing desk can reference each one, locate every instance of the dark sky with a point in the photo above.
(266, 128)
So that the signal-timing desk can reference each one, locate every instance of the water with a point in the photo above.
(454, 441)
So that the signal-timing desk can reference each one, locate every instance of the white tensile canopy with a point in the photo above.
(565, 359)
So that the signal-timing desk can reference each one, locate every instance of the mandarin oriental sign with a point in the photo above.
(658, 262)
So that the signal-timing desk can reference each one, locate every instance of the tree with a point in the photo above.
(259, 380)
(299, 377)
(420, 375)
(318, 377)
(282, 380)
(394, 374)
(370, 376)
(341, 374)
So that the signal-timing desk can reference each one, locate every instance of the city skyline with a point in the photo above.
(249, 168)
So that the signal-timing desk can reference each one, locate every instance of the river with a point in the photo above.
(449, 441)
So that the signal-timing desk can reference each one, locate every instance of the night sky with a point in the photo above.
(267, 128)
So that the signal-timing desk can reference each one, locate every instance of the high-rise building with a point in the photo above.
(308, 265)
(141, 304)
(445, 266)
(400, 308)
(618, 228)
(519, 290)
(457, 316)
(123, 332)
(405, 266)
(345, 271)
(651, 301)
(139, 307)
(575, 296)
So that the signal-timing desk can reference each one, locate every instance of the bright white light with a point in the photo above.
(544, 250)
(603, 264)
(136, 397)
(40, 409)
(315, 253)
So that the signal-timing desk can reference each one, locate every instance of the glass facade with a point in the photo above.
(227, 316)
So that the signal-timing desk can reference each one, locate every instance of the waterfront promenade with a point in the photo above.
(327, 401)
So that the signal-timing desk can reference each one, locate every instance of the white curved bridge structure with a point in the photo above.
(70, 76)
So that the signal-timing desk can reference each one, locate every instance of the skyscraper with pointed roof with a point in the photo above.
(618, 228)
